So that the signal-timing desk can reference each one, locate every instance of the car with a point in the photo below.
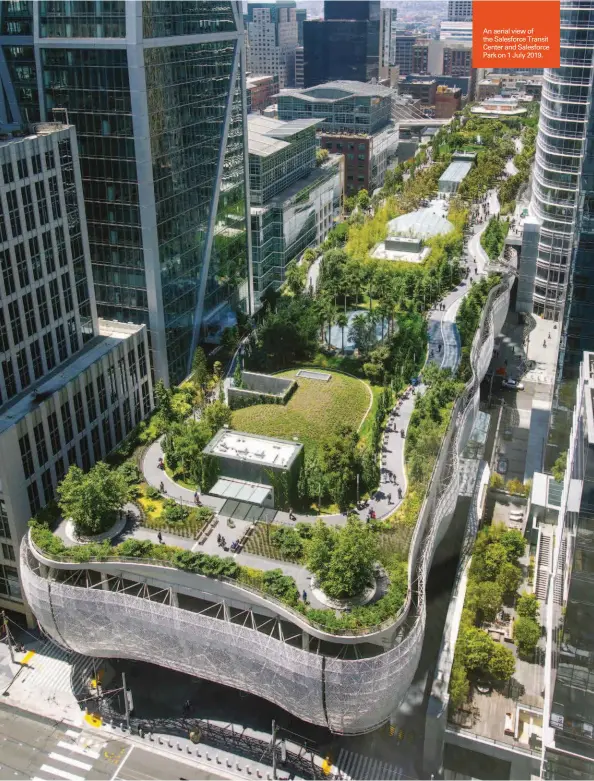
(512, 384)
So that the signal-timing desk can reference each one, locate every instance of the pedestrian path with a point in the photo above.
(350, 765)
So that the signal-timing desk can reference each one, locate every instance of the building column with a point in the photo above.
(174, 599)
(305, 641)
(105, 585)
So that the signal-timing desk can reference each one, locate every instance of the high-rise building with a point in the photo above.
(293, 200)
(455, 31)
(404, 47)
(273, 38)
(299, 67)
(556, 273)
(460, 10)
(158, 104)
(361, 10)
(457, 59)
(344, 46)
(388, 32)
(301, 15)
(72, 386)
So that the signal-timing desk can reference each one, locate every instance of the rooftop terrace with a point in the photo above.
(278, 453)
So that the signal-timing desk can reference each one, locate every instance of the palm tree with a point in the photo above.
(342, 321)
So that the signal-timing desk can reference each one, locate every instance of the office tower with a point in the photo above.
(273, 38)
(260, 92)
(404, 49)
(427, 57)
(293, 200)
(457, 59)
(388, 32)
(355, 120)
(556, 273)
(344, 46)
(459, 10)
(162, 151)
(301, 16)
(72, 386)
(360, 10)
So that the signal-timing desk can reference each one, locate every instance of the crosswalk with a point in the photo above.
(53, 669)
(70, 759)
(361, 768)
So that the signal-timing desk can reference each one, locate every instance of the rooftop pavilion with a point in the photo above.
(265, 451)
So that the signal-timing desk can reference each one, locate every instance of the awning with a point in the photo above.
(255, 493)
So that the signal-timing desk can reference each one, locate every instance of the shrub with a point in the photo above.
(459, 685)
(288, 542)
(304, 530)
(526, 636)
(528, 607)
(130, 472)
(174, 513)
(280, 586)
(496, 481)
(517, 487)
(152, 493)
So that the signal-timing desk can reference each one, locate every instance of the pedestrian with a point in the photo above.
(304, 595)
(505, 363)
(160, 537)
(389, 498)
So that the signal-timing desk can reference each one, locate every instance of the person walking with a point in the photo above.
(160, 538)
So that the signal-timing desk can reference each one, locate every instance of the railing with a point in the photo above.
(514, 745)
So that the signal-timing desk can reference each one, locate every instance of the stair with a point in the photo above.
(543, 567)
(558, 592)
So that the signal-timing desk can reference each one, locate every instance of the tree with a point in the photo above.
(558, 470)
(321, 156)
(350, 568)
(200, 373)
(320, 547)
(494, 559)
(163, 398)
(92, 499)
(309, 256)
(363, 199)
(342, 321)
(477, 648)
(526, 636)
(488, 598)
(509, 578)
(502, 664)
(362, 333)
(238, 375)
(217, 415)
(296, 277)
(288, 542)
(528, 606)
(459, 685)
(514, 543)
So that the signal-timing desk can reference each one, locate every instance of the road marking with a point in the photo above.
(86, 752)
(61, 773)
(121, 765)
(27, 657)
(70, 761)
(72, 733)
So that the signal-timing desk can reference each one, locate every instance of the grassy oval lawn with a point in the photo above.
(315, 411)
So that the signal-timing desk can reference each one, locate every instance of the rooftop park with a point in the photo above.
(340, 422)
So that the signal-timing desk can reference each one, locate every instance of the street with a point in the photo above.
(44, 750)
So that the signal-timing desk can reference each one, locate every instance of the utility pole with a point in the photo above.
(126, 703)
(273, 748)
(8, 636)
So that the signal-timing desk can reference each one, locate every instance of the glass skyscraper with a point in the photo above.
(557, 273)
(155, 91)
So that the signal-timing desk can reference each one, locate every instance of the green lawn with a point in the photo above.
(314, 411)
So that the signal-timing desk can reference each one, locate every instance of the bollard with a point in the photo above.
(188, 749)
(170, 744)
(208, 756)
(237, 766)
(248, 770)
(229, 763)
(179, 748)
(161, 741)
(217, 759)
(198, 753)
(258, 774)
(151, 737)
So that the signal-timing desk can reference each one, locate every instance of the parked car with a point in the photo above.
(512, 384)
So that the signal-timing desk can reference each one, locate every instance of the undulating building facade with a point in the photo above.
(154, 90)
(72, 386)
(557, 274)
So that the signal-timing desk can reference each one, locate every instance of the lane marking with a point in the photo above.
(86, 752)
(61, 773)
(70, 761)
(72, 733)
(27, 657)
(121, 765)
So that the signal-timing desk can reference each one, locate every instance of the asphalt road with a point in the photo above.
(44, 750)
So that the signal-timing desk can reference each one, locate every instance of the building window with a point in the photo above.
(54, 433)
(4, 344)
(79, 412)
(96, 442)
(15, 322)
(33, 494)
(23, 368)
(84, 452)
(107, 435)
(29, 314)
(35, 258)
(61, 339)
(7, 173)
(48, 488)
(48, 349)
(102, 393)
(22, 168)
(8, 551)
(67, 422)
(142, 359)
(7, 275)
(72, 456)
(55, 299)
(9, 582)
(13, 213)
(9, 378)
(36, 360)
(4, 527)
(42, 307)
(49, 159)
(91, 406)
(41, 203)
(21, 264)
(40, 443)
